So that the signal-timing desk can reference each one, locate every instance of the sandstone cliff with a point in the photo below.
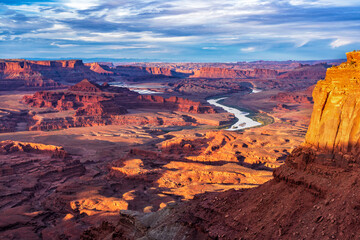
(27, 75)
(336, 115)
(102, 69)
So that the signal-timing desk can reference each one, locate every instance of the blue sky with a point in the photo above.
(180, 30)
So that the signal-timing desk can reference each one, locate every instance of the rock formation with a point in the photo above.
(9, 147)
(138, 71)
(314, 195)
(302, 72)
(173, 103)
(29, 75)
(212, 72)
(96, 104)
(101, 69)
(293, 97)
(210, 87)
(336, 116)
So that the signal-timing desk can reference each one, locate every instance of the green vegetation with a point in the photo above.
(262, 118)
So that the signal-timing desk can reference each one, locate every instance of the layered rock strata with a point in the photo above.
(212, 72)
(96, 104)
(336, 115)
(30, 75)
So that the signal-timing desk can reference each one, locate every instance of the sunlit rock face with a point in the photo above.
(335, 122)
(27, 75)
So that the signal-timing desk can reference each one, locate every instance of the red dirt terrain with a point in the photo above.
(313, 196)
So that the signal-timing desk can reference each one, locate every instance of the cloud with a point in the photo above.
(340, 42)
(184, 27)
(63, 45)
(209, 48)
(81, 4)
(248, 49)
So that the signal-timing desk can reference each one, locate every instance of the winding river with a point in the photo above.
(243, 121)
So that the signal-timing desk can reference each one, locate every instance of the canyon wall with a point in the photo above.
(137, 71)
(335, 122)
(101, 69)
(29, 75)
(213, 72)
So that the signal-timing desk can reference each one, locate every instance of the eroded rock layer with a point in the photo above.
(93, 105)
(335, 122)
(8, 147)
(212, 72)
(28, 75)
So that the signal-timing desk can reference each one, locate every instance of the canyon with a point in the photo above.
(85, 150)
(312, 196)
(90, 104)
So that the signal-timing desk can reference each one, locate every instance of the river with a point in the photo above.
(243, 121)
(141, 89)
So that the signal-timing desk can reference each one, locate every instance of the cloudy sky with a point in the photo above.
(179, 30)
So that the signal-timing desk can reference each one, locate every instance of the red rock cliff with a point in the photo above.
(96, 67)
(335, 121)
(27, 75)
(138, 71)
(212, 72)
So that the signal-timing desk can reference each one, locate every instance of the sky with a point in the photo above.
(180, 30)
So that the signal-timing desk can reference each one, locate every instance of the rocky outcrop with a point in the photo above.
(30, 75)
(101, 69)
(313, 196)
(138, 71)
(210, 87)
(96, 105)
(291, 97)
(336, 115)
(8, 147)
(212, 72)
(303, 72)
(57, 63)
(173, 103)
(82, 97)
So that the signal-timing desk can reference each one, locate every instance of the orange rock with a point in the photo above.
(7, 147)
(30, 75)
(96, 67)
(335, 122)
